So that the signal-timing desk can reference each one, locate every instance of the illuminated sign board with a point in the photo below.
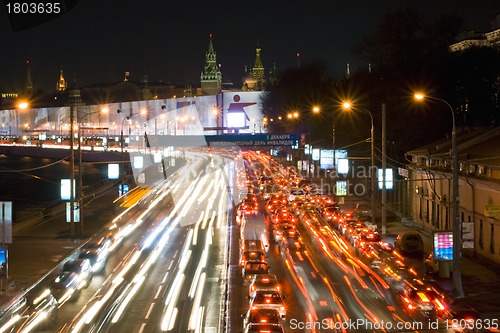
(236, 119)
(113, 171)
(326, 159)
(138, 162)
(443, 245)
(315, 154)
(343, 166)
(6, 219)
(4, 263)
(388, 179)
(341, 188)
(76, 212)
(66, 189)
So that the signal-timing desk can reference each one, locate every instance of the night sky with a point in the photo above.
(97, 41)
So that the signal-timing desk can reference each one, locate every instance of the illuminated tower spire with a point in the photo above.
(258, 70)
(211, 77)
(28, 87)
(61, 84)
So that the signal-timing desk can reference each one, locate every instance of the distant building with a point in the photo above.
(475, 39)
(256, 80)
(211, 77)
(61, 83)
(28, 86)
(429, 189)
(130, 90)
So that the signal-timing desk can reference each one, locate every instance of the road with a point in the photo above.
(176, 269)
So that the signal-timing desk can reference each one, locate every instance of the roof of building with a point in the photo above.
(477, 146)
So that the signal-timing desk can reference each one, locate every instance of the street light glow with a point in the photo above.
(419, 96)
(316, 109)
(455, 216)
(23, 105)
(346, 105)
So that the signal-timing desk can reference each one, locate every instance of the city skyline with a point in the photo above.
(169, 41)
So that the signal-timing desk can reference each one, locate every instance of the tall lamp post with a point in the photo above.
(348, 106)
(80, 163)
(20, 106)
(127, 117)
(457, 274)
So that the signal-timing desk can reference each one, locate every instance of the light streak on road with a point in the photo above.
(33, 324)
(368, 313)
(11, 322)
(128, 298)
(171, 311)
(194, 317)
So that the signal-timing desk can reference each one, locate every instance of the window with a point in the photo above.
(492, 238)
(472, 168)
(481, 243)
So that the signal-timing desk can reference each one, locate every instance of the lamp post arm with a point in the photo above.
(457, 244)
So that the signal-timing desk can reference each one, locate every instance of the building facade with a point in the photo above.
(429, 189)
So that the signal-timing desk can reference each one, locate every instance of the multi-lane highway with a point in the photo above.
(173, 265)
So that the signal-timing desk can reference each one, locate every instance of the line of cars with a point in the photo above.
(417, 296)
(266, 309)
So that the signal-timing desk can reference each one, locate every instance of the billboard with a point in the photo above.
(113, 171)
(66, 189)
(443, 245)
(388, 179)
(326, 159)
(6, 220)
(4, 263)
(243, 110)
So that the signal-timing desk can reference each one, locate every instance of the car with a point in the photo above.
(296, 193)
(417, 295)
(97, 253)
(265, 299)
(264, 277)
(284, 230)
(262, 316)
(83, 268)
(268, 284)
(248, 208)
(282, 214)
(253, 245)
(363, 211)
(65, 287)
(267, 328)
(330, 214)
(409, 242)
(252, 256)
(254, 267)
(42, 310)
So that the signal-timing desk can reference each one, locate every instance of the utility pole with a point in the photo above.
(384, 190)
(72, 171)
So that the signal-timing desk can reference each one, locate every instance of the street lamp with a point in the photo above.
(348, 106)
(128, 117)
(20, 106)
(80, 163)
(457, 274)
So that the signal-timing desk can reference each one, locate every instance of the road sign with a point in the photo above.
(490, 211)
